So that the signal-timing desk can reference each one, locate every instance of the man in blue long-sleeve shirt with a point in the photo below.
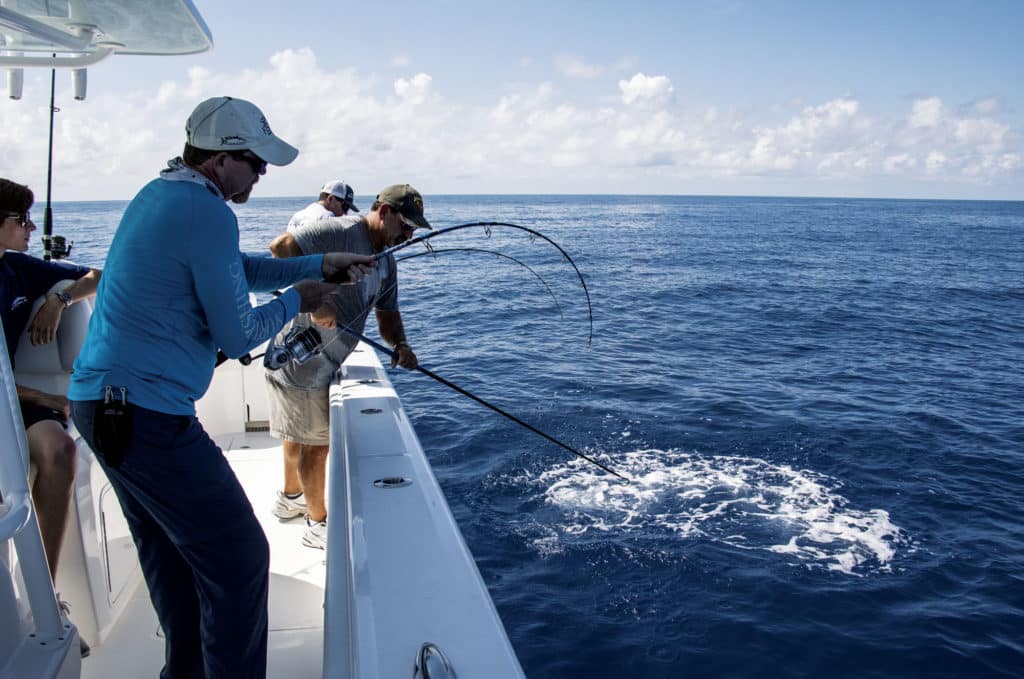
(175, 288)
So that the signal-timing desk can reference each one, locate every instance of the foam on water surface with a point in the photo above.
(744, 502)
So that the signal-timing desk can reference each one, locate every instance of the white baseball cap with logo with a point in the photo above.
(229, 124)
(343, 191)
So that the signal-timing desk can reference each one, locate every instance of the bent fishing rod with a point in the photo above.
(307, 348)
(487, 229)
(437, 251)
(434, 376)
(248, 358)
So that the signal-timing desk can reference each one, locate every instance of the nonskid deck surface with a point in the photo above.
(135, 647)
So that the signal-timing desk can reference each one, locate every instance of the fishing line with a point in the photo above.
(434, 376)
(221, 357)
(434, 251)
(429, 249)
(486, 226)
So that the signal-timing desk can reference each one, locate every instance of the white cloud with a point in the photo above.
(926, 112)
(415, 89)
(574, 67)
(935, 161)
(525, 137)
(656, 90)
(982, 133)
(898, 163)
(814, 122)
(504, 112)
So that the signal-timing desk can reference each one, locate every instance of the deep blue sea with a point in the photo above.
(820, 403)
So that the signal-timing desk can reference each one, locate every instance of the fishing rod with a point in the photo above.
(48, 213)
(248, 358)
(304, 344)
(307, 343)
(487, 229)
(434, 251)
(54, 247)
(434, 376)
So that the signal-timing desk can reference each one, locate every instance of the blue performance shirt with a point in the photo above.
(23, 278)
(175, 287)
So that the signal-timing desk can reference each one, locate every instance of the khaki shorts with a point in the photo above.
(298, 415)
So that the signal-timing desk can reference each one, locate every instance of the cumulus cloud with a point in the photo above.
(415, 89)
(526, 137)
(830, 136)
(926, 112)
(982, 133)
(897, 163)
(814, 122)
(641, 88)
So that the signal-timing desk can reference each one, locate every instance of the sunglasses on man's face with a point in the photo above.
(257, 164)
(23, 218)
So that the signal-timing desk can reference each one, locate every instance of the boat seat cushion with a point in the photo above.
(47, 367)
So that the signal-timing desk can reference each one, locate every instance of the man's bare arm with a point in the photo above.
(392, 330)
(43, 327)
(285, 246)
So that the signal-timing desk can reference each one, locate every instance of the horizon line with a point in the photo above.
(610, 195)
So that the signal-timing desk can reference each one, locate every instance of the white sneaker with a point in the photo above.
(315, 535)
(286, 508)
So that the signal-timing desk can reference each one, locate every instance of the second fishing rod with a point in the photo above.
(465, 392)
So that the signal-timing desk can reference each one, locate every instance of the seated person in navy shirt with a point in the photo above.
(24, 278)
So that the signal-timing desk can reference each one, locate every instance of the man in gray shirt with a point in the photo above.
(298, 394)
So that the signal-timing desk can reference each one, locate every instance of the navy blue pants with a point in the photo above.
(204, 556)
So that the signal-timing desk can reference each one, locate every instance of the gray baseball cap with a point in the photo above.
(343, 191)
(229, 124)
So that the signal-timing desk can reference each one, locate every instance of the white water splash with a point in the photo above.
(747, 503)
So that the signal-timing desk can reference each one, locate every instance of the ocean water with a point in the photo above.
(819, 403)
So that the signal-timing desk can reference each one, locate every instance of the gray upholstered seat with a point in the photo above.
(48, 367)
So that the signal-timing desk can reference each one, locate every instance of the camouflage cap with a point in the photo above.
(407, 201)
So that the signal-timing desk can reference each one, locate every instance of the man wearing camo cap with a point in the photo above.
(298, 394)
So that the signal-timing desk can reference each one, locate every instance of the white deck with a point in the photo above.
(407, 577)
(295, 647)
(400, 573)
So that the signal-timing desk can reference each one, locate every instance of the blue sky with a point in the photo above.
(874, 99)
